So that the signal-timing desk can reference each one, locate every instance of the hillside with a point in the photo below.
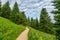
(38, 35)
(9, 30)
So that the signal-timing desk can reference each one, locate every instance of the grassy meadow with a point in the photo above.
(9, 30)
(38, 35)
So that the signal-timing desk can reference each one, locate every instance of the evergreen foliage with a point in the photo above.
(6, 10)
(14, 15)
(15, 9)
(57, 17)
(45, 22)
(34, 23)
(37, 23)
(18, 17)
(28, 21)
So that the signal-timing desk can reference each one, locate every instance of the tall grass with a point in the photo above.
(38, 35)
(9, 30)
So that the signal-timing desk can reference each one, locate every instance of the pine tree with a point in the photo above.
(15, 13)
(28, 21)
(32, 22)
(24, 19)
(17, 16)
(45, 22)
(6, 10)
(57, 18)
(37, 23)
(15, 8)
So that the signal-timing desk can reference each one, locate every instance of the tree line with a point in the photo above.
(44, 24)
(13, 14)
(57, 18)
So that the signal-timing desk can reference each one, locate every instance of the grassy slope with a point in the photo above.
(38, 35)
(9, 30)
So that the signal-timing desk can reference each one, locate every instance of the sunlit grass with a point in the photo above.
(38, 35)
(9, 30)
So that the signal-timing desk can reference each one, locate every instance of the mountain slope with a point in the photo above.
(38, 35)
(9, 30)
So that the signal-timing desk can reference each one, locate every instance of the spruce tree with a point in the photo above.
(6, 10)
(20, 18)
(32, 22)
(45, 22)
(28, 21)
(24, 19)
(15, 8)
(14, 13)
(57, 18)
(17, 16)
(37, 23)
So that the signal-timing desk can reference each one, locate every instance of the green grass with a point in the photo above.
(38, 35)
(9, 30)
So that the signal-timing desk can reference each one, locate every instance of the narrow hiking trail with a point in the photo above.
(23, 35)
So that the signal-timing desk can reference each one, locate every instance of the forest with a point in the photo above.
(44, 24)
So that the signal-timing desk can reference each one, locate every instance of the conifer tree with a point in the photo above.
(15, 13)
(37, 23)
(15, 8)
(28, 21)
(45, 22)
(17, 16)
(6, 10)
(57, 18)
(24, 19)
(32, 22)
(20, 18)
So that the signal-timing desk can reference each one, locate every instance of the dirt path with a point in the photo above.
(23, 35)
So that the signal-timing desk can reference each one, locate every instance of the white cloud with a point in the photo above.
(32, 8)
(3, 1)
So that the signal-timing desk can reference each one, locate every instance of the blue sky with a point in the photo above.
(32, 8)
